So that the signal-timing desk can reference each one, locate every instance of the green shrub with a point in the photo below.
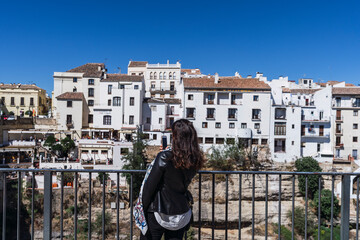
(325, 233)
(226, 157)
(285, 233)
(325, 206)
(299, 221)
(308, 164)
(98, 223)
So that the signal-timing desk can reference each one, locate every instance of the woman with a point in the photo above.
(165, 196)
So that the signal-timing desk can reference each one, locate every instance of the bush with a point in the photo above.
(308, 164)
(98, 223)
(299, 221)
(68, 178)
(226, 157)
(285, 233)
(325, 205)
(325, 233)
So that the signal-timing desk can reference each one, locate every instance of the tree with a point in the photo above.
(67, 178)
(325, 205)
(308, 164)
(61, 148)
(226, 157)
(67, 145)
(299, 221)
(136, 160)
(101, 176)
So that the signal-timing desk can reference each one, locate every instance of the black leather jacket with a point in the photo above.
(165, 190)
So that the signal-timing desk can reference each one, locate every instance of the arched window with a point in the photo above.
(174, 75)
(155, 75)
(151, 76)
(170, 75)
(116, 101)
(160, 75)
(107, 120)
(164, 75)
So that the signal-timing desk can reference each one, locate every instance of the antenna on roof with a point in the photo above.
(119, 68)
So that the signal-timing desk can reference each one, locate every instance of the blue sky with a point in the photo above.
(317, 39)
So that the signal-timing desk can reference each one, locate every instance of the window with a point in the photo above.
(218, 125)
(337, 153)
(160, 120)
(131, 119)
(164, 75)
(321, 130)
(107, 120)
(293, 126)
(256, 98)
(355, 126)
(121, 86)
(263, 141)
(31, 101)
(255, 141)
(91, 92)
(132, 101)
(280, 113)
(75, 79)
(232, 112)
(104, 152)
(148, 120)
(219, 140)
(280, 129)
(154, 136)
(172, 86)
(174, 75)
(160, 76)
(109, 102)
(91, 82)
(209, 140)
(172, 96)
(22, 101)
(90, 118)
(354, 154)
(116, 101)
(256, 114)
(210, 99)
(91, 102)
(321, 115)
(69, 103)
(257, 126)
(355, 113)
(155, 75)
(170, 75)
(153, 108)
(204, 125)
(2, 101)
(162, 95)
(68, 119)
(151, 76)
(136, 86)
(230, 141)
(279, 145)
(356, 102)
(74, 89)
(292, 143)
(190, 97)
(355, 139)
(318, 147)
(243, 125)
(110, 89)
(231, 125)
(200, 140)
(210, 113)
(12, 101)
(153, 84)
(94, 151)
(190, 112)
(338, 101)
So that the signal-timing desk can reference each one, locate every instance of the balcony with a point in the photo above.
(327, 135)
(339, 119)
(314, 119)
(251, 201)
(162, 90)
(339, 132)
(339, 145)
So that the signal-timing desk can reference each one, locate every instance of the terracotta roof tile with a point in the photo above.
(71, 96)
(122, 78)
(332, 83)
(346, 91)
(286, 90)
(225, 83)
(165, 100)
(90, 69)
(20, 86)
(303, 91)
(191, 71)
(137, 63)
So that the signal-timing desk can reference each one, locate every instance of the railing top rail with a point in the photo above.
(202, 172)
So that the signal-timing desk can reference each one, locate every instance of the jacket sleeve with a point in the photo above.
(154, 178)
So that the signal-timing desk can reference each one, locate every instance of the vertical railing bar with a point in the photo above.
(103, 207)
(4, 207)
(89, 214)
(18, 207)
(357, 208)
(345, 206)
(279, 220)
(319, 206)
(32, 204)
(47, 235)
(75, 206)
(293, 208)
(117, 206)
(62, 206)
(213, 208)
(240, 181)
(306, 205)
(199, 219)
(253, 208)
(332, 206)
(266, 205)
(226, 205)
(131, 206)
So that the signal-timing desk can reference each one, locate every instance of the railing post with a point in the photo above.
(345, 206)
(47, 204)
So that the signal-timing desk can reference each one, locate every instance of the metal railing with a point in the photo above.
(245, 187)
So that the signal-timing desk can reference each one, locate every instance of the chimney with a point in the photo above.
(168, 62)
(249, 76)
(216, 78)
(99, 67)
(105, 76)
(237, 74)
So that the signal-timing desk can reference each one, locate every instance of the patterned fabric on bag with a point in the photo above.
(139, 213)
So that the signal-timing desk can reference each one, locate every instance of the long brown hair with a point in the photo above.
(185, 146)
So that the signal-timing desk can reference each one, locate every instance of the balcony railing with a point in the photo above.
(273, 188)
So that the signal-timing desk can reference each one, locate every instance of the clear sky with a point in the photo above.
(317, 39)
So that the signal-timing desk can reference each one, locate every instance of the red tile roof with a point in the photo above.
(304, 90)
(71, 96)
(122, 78)
(90, 69)
(286, 90)
(346, 91)
(225, 83)
(332, 83)
(161, 100)
(137, 63)
(20, 86)
(191, 71)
